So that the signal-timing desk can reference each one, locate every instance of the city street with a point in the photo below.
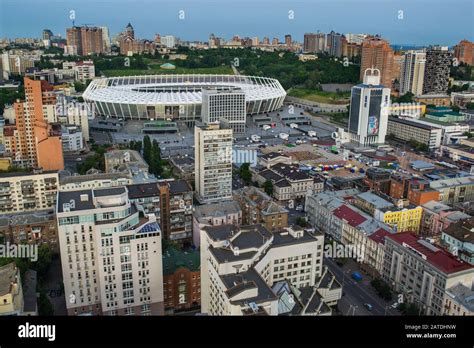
(356, 294)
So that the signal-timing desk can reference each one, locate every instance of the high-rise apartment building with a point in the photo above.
(87, 40)
(437, 66)
(335, 43)
(106, 39)
(288, 40)
(16, 63)
(33, 142)
(368, 114)
(226, 106)
(314, 43)
(377, 53)
(110, 254)
(168, 41)
(412, 72)
(464, 52)
(213, 163)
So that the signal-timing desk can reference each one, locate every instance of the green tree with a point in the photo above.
(301, 221)
(147, 149)
(406, 98)
(268, 187)
(44, 260)
(44, 304)
(245, 174)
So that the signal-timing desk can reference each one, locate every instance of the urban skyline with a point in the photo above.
(246, 158)
(397, 21)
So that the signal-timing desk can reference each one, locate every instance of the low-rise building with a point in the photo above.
(377, 180)
(455, 191)
(215, 214)
(30, 228)
(181, 280)
(289, 182)
(72, 138)
(90, 181)
(407, 130)
(125, 160)
(319, 208)
(270, 159)
(437, 217)
(422, 272)
(459, 300)
(417, 191)
(458, 238)
(11, 293)
(258, 207)
(401, 219)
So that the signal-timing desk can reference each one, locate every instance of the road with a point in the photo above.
(356, 295)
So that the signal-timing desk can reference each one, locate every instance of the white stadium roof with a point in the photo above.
(177, 89)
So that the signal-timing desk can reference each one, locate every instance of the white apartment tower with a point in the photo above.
(368, 114)
(110, 254)
(224, 105)
(412, 73)
(213, 163)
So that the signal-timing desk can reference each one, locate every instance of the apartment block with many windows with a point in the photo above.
(239, 267)
(28, 192)
(110, 254)
(422, 272)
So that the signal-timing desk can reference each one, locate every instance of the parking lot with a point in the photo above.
(182, 142)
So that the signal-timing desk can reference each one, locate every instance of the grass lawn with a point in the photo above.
(155, 70)
(338, 98)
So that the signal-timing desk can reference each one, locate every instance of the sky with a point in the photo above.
(402, 22)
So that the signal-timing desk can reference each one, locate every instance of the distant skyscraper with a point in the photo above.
(106, 39)
(288, 40)
(213, 163)
(464, 52)
(412, 72)
(309, 44)
(368, 115)
(355, 38)
(438, 63)
(377, 53)
(335, 42)
(168, 41)
(275, 41)
(88, 40)
(47, 34)
(224, 105)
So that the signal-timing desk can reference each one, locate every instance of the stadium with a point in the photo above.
(176, 97)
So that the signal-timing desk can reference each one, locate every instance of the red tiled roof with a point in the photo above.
(352, 217)
(440, 259)
(379, 236)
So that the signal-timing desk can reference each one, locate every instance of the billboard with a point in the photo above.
(373, 126)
